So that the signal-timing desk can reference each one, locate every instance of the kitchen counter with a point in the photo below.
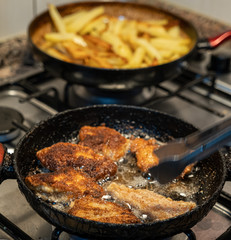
(14, 52)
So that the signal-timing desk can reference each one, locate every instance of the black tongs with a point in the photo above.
(176, 155)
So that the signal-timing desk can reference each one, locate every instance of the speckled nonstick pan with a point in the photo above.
(128, 120)
(116, 79)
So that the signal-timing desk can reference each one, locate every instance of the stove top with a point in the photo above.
(194, 103)
(201, 95)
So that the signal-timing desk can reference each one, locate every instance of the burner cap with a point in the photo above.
(82, 96)
(8, 130)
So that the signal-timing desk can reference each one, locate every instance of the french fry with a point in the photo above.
(56, 18)
(129, 31)
(116, 61)
(154, 31)
(78, 24)
(165, 53)
(174, 57)
(76, 51)
(60, 37)
(45, 45)
(99, 25)
(147, 60)
(172, 45)
(68, 19)
(103, 63)
(98, 41)
(119, 47)
(116, 26)
(137, 58)
(57, 54)
(174, 32)
(150, 50)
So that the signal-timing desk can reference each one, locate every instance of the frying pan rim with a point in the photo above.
(111, 225)
(74, 65)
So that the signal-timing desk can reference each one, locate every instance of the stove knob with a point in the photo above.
(220, 63)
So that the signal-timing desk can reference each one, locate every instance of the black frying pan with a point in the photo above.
(116, 79)
(128, 120)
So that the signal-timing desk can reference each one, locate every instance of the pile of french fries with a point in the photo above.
(93, 38)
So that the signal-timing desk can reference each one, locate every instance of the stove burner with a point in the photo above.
(82, 96)
(8, 130)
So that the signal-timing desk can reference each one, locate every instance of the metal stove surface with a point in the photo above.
(12, 204)
(33, 111)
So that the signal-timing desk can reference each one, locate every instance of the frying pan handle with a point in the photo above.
(213, 42)
(6, 165)
(2, 153)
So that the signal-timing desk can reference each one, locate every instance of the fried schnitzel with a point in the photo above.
(63, 154)
(154, 205)
(65, 183)
(100, 210)
(144, 152)
(105, 141)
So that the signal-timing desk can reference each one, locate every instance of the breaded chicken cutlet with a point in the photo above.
(65, 154)
(154, 205)
(105, 141)
(144, 152)
(97, 209)
(65, 183)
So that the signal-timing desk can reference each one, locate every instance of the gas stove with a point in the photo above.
(200, 95)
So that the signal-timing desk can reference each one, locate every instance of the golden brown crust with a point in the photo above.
(144, 152)
(154, 205)
(100, 210)
(72, 183)
(104, 140)
(64, 154)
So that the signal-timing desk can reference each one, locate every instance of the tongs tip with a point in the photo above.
(164, 173)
